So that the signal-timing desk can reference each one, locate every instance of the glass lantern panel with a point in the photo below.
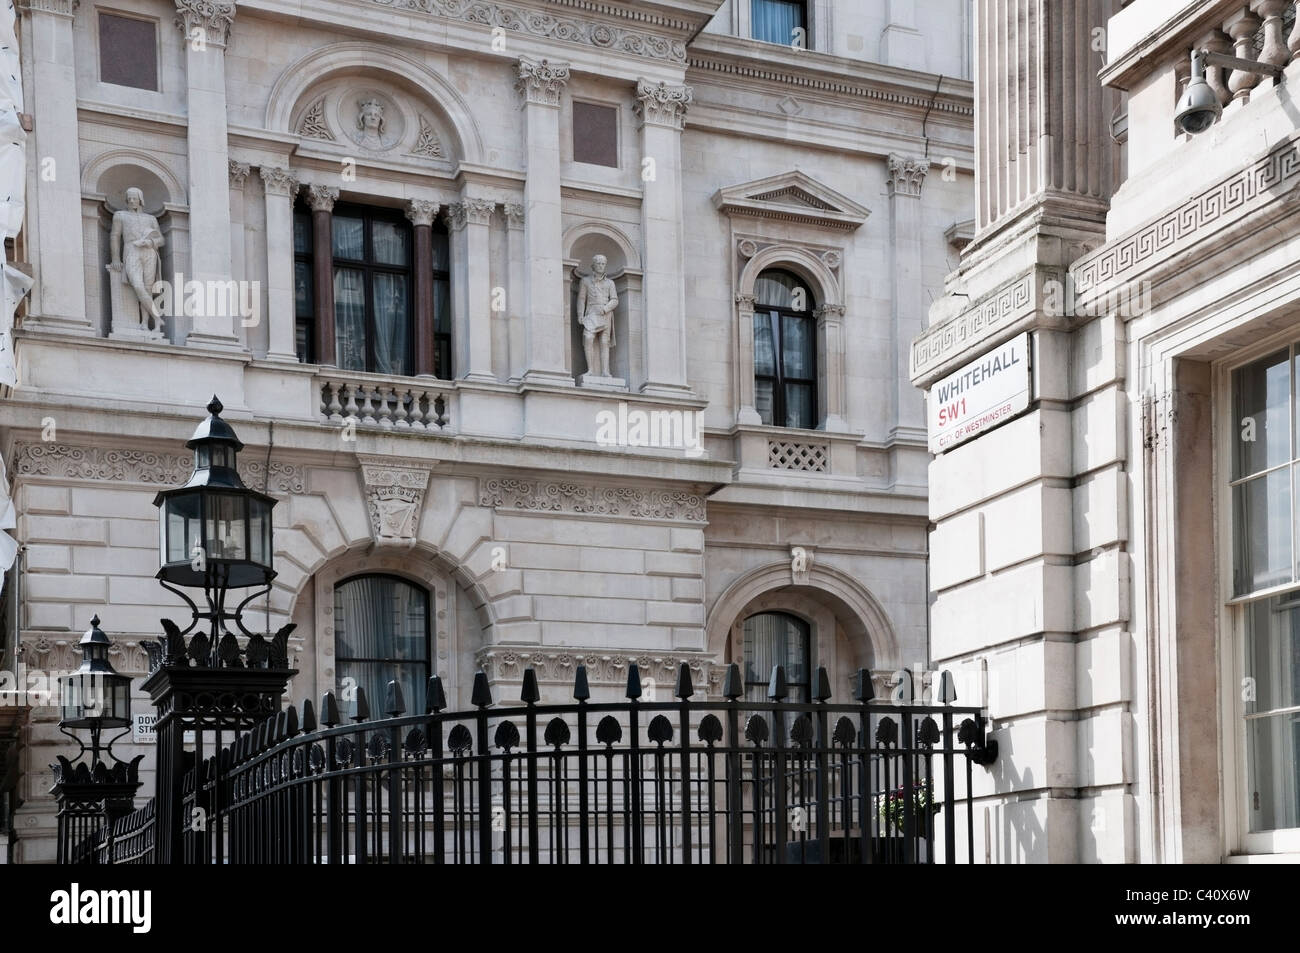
(227, 526)
(259, 532)
(183, 527)
(119, 708)
(223, 457)
(202, 457)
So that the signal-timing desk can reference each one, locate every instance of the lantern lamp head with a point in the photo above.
(215, 532)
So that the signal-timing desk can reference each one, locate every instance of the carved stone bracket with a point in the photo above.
(394, 496)
(907, 174)
(207, 20)
(541, 81)
(662, 105)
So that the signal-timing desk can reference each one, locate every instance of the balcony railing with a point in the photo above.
(376, 401)
(681, 781)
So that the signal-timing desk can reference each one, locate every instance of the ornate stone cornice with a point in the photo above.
(514, 212)
(321, 198)
(238, 173)
(212, 19)
(506, 663)
(66, 461)
(63, 8)
(278, 181)
(541, 81)
(470, 212)
(394, 497)
(632, 502)
(907, 174)
(662, 105)
(603, 36)
(422, 211)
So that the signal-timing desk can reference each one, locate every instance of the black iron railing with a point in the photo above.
(712, 781)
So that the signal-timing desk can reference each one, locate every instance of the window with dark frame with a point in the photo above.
(373, 271)
(128, 51)
(775, 21)
(595, 134)
(785, 351)
(777, 638)
(381, 633)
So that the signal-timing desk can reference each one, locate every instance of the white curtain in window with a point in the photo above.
(390, 308)
(774, 21)
(350, 318)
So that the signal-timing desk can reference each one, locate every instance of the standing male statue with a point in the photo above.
(597, 299)
(134, 245)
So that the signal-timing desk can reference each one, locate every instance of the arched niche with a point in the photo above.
(357, 69)
(104, 183)
(582, 243)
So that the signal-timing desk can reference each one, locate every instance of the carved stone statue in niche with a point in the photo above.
(135, 268)
(371, 126)
(597, 299)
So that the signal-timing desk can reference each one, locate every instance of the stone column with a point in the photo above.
(515, 262)
(661, 110)
(744, 363)
(906, 177)
(205, 28)
(281, 338)
(421, 213)
(471, 297)
(830, 358)
(58, 299)
(321, 198)
(540, 84)
(238, 172)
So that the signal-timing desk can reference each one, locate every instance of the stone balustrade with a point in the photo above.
(1264, 31)
(375, 401)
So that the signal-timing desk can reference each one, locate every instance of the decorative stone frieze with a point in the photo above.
(541, 81)
(1009, 303)
(661, 104)
(64, 8)
(603, 36)
(907, 174)
(394, 496)
(209, 20)
(633, 502)
(507, 664)
(141, 466)
(278, 181)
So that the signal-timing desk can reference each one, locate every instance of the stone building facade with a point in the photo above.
(1115, 558)
(376, 223)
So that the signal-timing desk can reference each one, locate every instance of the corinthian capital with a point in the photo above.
(470, 212)
(422, 211)
(662, 105)
(205, 21)
(321, 198)
(907, 174)
(278, 181)
(541, 81)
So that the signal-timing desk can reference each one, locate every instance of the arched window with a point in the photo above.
(381, 633)
(777, 638)
(785, 351)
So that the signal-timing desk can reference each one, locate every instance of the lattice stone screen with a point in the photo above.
(789, 455)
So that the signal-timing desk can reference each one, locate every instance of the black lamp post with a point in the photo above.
(215, 534)
(90, 794)
(95, 696)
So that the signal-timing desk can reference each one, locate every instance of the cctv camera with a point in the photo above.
(1199, 107)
